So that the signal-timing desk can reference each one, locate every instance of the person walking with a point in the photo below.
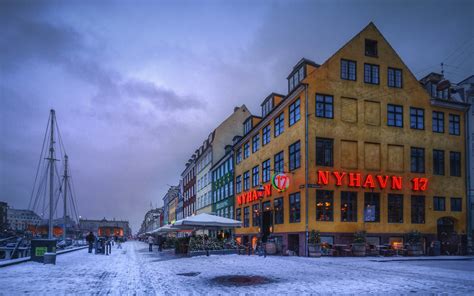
(90, 238)
(150, 243)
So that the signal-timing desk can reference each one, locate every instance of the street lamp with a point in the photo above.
(260, 191)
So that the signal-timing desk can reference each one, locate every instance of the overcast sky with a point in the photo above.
(138, 85)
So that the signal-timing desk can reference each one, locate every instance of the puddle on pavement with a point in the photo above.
(242, 280)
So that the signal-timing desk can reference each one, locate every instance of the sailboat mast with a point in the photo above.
(65, 196)
(51, 177)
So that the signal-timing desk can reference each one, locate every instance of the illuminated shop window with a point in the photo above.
(324, 205)
(278, 206)
(348, 206)
(372, 207)
(295, 204)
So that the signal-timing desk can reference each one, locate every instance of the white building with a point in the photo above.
(19, 220)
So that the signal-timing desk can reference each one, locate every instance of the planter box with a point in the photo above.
(414, 250)
(314, 250)
(358, 249)
(213, 252)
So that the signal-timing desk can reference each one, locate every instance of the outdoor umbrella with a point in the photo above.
(206, 221)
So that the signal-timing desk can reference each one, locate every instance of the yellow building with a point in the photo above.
(356, 145)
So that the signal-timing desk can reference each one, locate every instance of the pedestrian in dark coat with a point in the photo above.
(90, 238)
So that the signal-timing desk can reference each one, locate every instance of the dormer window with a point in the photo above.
(267, 106)
(247, 126)
(371, 48)
(296, 78)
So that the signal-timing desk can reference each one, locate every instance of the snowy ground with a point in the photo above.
(133, 270)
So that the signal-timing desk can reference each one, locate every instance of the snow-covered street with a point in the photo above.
(133, 270)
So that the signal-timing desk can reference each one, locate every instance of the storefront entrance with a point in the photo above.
(267, 224)
(294, 243)
(447, 236)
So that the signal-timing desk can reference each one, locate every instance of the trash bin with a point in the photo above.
(49, 258)
(41, 246)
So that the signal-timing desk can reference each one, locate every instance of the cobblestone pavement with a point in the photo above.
(135, 271)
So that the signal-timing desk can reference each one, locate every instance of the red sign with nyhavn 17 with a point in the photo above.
(369, 181)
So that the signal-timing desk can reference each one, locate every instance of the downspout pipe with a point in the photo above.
(469, 189)
(306, 168)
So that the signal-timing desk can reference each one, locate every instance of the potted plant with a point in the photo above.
(314, 244)
(358, 247)
(414, 247)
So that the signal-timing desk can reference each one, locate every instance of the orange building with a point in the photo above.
(357, 144)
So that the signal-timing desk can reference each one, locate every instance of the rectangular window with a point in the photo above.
(417, 209)
(455, 164)
(295, 201)
(438, 122)
(417, 118)
(278, 161)
(279, 124)
(394, 115)
(238, 184)
(439, 203)
(371, 48)
(371, 74)
(438, 162)
(294, 112)
(246, 217)
(324, 152)
(417, 160)
(266, 171)
(294, 155)
(348, 206)
(255, 176)
(246, 150)
(246, 181)
(247, 125)
(372, 207)
(238, 214)
(324, 205)
(394, 77)
(395, 208)
(255, 143)
(278, 207)
(456, 204)
(454, 125)
(266, 136)
(255, 215)
(324, 106)
(348, 70)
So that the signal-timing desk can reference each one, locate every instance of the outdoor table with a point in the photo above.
(339, 249)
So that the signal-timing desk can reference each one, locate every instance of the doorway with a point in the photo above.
(267, 224)
(294, 243)
(448, 238)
